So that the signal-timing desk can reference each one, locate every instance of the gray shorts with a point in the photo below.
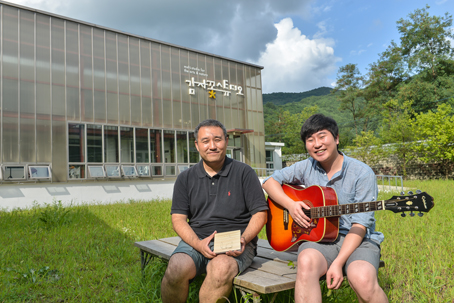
(244, 260)
(367, 251)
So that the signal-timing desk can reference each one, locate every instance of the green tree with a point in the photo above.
(349, 84)
(398, 131)
(367, 148)
(420, 68)
(292, 130)
(435, 134)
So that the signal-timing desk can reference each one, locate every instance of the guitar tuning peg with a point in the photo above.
(403, 215)
(418, 191)
(402, 193)
(410, 192)
(412, 214)
(420, 214)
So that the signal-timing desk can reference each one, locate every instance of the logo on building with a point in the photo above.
(211, 86)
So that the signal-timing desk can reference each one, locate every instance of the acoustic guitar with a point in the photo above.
(284, 234)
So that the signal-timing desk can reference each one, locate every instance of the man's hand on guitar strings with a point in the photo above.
(298, 215)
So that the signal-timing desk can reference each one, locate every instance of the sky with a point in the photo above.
(300, 43)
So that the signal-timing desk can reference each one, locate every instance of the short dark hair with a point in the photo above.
(210, 122)
(316, 123)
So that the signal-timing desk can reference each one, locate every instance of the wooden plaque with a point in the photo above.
(227, 241)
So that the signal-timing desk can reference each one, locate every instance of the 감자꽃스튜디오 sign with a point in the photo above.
(210, 85)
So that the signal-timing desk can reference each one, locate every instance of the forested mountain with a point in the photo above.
(284, 98)
(326, 103)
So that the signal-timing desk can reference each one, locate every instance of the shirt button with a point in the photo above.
(212, 183)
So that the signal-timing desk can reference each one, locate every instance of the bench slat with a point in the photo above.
(276, 255)
(157, 248)
(263, 282)
(272, 267)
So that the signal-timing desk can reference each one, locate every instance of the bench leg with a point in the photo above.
(247, 294)
(145, 258)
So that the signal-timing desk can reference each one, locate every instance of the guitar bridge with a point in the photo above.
(286, 220)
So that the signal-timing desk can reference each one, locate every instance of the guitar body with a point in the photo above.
(283, 234)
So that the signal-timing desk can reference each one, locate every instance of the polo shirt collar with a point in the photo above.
(224, 172)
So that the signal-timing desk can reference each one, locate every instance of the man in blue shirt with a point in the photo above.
(357, 248)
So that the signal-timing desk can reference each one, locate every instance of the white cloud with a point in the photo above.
(294, 63)
(370, 44)
(357, 53)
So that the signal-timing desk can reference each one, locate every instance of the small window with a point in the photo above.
(143, 170)
(170, 170)
(113, 171)
(11, 172)
(76, 171)
(96, 172)
(182, 168)
(129, 171)
(39, 172)
(156, 170)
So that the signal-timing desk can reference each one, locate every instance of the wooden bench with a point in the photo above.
(269, 273)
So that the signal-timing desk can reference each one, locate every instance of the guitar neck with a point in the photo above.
(345, 209)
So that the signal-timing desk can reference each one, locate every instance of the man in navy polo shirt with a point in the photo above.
(218, 194)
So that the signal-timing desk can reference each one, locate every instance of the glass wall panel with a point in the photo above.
(194, 99)
(211, 76)
(142, 152)
(76, 142)
(111, 153)
(94, 143)
(134, 69)
(156, 83)
(202, 95)
(169, 146)
(43, 102)
(145, 72)
(234, 97)
(86, 77)
(241, 99)
(127, 144)
(123, 80)
(185, 97)
(182, 147)
(166, 86)
(193, 153)
(27, 88)
(10, 54)
(249, 98)
(156, 145)
(111, 77)
(99, 76)
(72, 71)
(59, 158)
(258, 78)
(176, 88)
(219, 101)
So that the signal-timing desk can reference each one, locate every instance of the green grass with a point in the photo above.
(86, 253)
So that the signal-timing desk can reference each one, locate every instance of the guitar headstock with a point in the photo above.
(419, 202)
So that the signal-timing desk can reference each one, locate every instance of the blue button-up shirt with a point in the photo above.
(355, 182)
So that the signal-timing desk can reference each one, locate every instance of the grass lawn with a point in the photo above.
(86, 253)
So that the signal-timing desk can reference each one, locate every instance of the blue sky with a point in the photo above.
(300, 43)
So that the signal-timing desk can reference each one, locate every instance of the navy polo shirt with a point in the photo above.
(221, 203)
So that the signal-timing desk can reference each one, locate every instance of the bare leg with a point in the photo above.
(311, 266)
(362, 277)
(175, 284)
(218, 282)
